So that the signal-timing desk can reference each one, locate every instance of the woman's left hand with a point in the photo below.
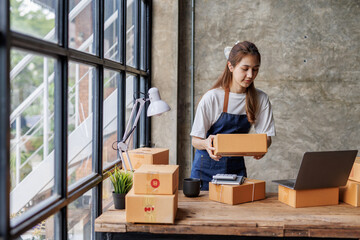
(268, 145)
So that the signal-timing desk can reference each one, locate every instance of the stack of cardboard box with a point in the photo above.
(239, 145)
(141, 156)
(325, 196)
(351, 192)
(154, 196)
(308, 197)
(250, 190)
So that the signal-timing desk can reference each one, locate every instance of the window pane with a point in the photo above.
(130, 36)
(110, 116)
(43, 230)
(82, 25)
(107, 200)
(34, 17)
(112, 23)
(130, 83)
(32, 130)
(80, 121)
(79, 217)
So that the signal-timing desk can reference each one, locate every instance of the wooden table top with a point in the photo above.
(267, 217)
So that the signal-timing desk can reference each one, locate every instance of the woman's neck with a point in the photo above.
(237, 89)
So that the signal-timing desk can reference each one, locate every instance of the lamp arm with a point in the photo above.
(128, 131)
(122, 145)
(142, 105)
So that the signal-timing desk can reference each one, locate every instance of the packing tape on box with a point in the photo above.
(253, 191)
(142, 152)
(146, 150)
(138, 155)
(152, 182)
(149, 209)
(219, 190)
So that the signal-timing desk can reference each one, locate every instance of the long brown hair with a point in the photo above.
(239, 51)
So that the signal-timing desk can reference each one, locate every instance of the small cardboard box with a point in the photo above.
(355, 171)
(250, 190)
(240, 144)
(156, 179)
(141, 156)
(310, 197)
(351, 193)
(151, 208)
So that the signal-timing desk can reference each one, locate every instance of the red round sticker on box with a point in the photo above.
(155, 183)
(149, 209)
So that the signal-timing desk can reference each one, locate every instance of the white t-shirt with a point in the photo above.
(211, 106)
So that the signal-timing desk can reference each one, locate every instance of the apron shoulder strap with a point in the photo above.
(226, 100)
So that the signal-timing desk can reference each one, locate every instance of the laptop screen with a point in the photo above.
(325, 169)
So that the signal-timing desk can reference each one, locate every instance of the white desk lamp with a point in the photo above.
(156, 108)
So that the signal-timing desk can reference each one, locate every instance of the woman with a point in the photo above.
(232, 105)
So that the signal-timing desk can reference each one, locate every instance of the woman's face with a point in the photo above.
(244, 73)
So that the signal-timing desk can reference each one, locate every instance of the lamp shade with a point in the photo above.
(157, 106)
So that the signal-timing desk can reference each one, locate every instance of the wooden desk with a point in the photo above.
(267, 217)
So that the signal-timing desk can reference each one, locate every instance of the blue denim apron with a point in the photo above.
(204, 167)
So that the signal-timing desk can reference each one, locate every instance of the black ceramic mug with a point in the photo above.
(191, 187)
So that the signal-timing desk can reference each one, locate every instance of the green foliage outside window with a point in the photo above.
(34, 21)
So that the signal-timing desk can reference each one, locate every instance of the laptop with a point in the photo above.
(322, 170)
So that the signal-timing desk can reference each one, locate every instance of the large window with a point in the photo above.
(69, 73)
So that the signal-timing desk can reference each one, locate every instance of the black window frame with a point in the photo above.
(62, 197)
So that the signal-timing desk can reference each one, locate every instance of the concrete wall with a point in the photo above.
(310, 70)
(165, 73)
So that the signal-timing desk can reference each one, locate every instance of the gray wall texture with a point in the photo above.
(165, 73)
(310, 69)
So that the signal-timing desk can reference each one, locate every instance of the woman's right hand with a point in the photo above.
(206, 144)
(210, 147)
